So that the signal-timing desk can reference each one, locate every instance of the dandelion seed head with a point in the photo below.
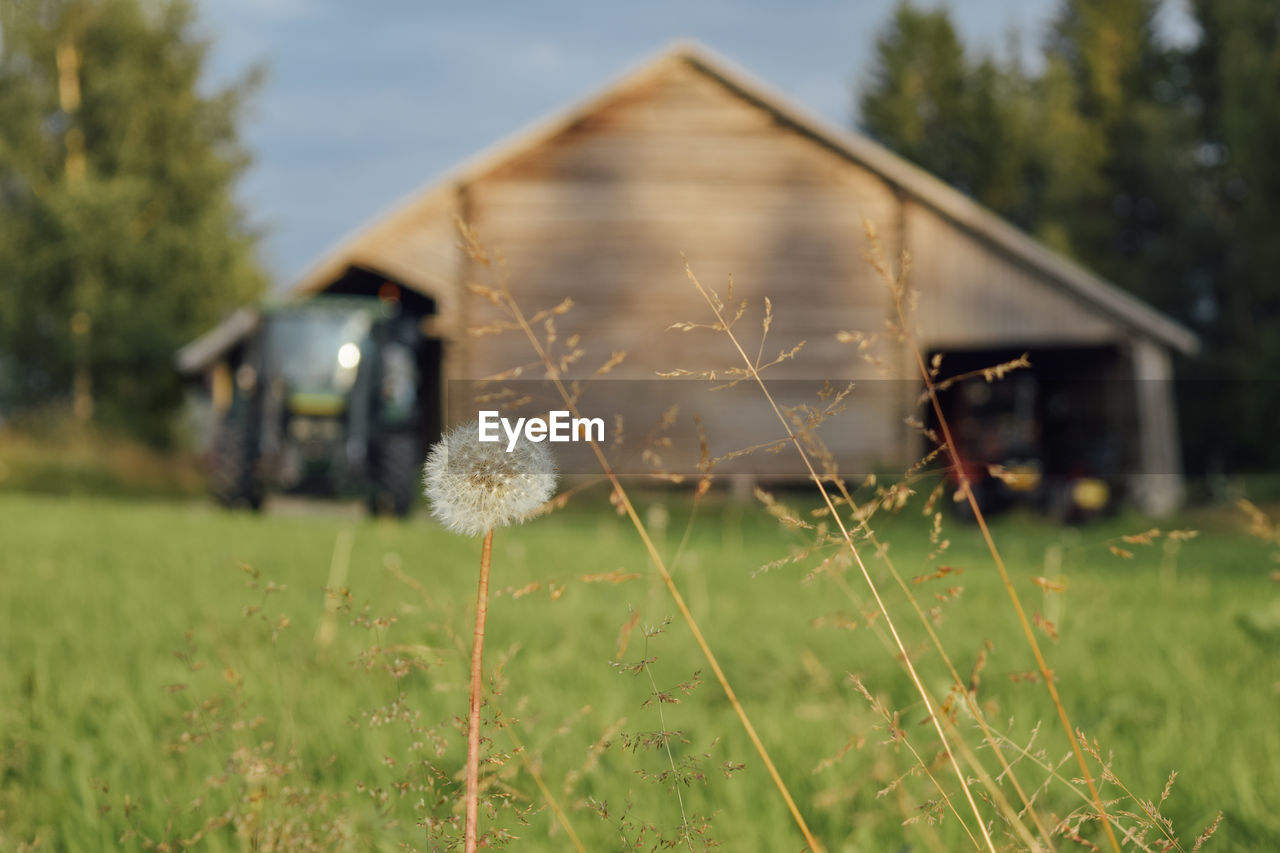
(476, 485)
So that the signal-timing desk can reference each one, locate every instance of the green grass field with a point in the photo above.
(149, 687)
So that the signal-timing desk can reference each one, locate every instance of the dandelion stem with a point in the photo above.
(473, 722)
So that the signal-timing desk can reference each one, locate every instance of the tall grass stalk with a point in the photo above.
(723, 325)
(897, 285)
(990, 736)
(547, 796)
(970, 700)
(502, 297)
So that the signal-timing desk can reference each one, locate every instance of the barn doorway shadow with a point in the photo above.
(1059, 435)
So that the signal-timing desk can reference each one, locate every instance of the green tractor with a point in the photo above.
(327, 397)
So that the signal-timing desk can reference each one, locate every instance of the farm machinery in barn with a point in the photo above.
(327, 397)
(1038, 438)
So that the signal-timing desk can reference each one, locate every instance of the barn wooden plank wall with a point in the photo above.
(973, 297)
(681, 164)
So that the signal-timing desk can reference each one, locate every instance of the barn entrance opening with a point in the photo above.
(1058, 435)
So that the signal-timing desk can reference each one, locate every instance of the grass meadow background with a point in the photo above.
(150, 687)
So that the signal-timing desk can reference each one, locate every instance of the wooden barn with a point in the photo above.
(689, 155)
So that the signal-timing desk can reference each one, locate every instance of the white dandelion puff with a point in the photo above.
(475, 486)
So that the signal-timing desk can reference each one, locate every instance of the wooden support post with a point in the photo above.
(1158, 484)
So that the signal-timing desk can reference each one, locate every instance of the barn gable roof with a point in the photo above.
(918, 184)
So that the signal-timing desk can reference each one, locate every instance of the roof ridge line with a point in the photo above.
(924, 187)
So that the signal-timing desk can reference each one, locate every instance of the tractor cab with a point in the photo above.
(327, 400)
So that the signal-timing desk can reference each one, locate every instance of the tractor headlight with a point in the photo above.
(348, 356)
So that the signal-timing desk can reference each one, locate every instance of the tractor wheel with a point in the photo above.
(233, 465)
(397, 474)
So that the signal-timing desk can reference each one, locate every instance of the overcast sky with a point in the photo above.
(365, 102)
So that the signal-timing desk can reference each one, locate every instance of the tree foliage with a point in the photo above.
(1149, 162)
(120, 237)
(965, 120)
